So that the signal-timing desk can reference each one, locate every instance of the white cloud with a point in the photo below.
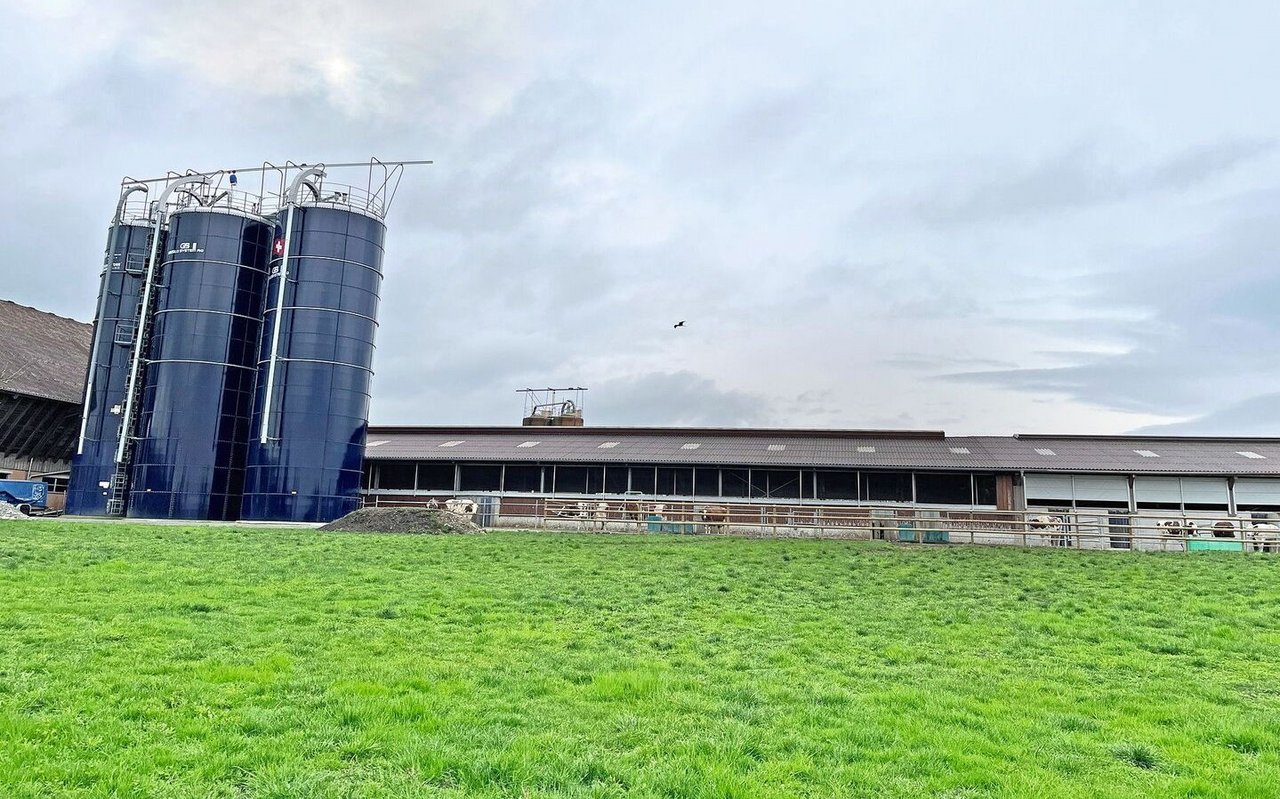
(357, 57)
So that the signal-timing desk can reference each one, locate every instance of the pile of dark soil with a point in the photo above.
(403, 520)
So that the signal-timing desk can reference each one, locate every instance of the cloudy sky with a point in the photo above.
(983, 217)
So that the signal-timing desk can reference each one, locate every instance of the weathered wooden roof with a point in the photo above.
(42, 354)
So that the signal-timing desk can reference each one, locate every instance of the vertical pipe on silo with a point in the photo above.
(116, 222)
(291, 200)
(140, 337)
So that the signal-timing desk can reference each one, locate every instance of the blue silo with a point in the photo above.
(93, 466)
(197, 391)
(311, 413)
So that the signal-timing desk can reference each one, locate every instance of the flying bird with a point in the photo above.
(679, 324)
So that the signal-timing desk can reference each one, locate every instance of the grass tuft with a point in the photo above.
(1248, 742)
(1137, 755)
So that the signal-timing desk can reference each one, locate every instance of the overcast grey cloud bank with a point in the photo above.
(1204, 343)
(989, 217)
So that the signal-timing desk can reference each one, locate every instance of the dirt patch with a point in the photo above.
(422, 521)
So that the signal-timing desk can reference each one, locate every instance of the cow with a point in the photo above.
(1176, 527)
(1265, 537)
(464, 508)
(1055, 525)
(715, 518)
(1223, 529)
(601, 515)
(594, 515)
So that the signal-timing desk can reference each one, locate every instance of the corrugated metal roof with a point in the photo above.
(830, 448)
(45, 355)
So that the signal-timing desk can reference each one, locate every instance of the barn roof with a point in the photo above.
(44, 355)
(853, 449)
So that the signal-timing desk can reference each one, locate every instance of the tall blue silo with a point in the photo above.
(93, 466)
(306, 451)
(197, 394)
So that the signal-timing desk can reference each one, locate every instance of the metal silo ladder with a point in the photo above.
(117, 500)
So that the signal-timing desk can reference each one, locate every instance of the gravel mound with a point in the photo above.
(8, 511)
(403, 520)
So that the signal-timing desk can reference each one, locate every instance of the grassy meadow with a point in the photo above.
(159, 661)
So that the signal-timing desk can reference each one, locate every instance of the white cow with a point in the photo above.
(601, 514)
(1055, 525)
(465, 508)
(1176, 527)
(1265, 537)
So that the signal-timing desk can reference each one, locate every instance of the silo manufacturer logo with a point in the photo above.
(186, 247)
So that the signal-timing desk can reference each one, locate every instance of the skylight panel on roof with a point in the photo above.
(690, 445)
(960, 450)
(451, 443)
(375, 443)
(1248, 453)
(608, 445)
(777, 447)
(1146, 453)
(527, 444)
(866, 449)
(1042, 451)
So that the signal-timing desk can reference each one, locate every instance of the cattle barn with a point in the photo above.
(1123, 474)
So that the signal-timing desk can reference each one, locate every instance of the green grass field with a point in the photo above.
(227, 662)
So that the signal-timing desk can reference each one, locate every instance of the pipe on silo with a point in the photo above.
(291, 200)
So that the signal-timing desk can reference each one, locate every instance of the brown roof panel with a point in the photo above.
(45, 355)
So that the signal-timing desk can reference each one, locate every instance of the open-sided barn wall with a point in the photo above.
(31, 427)
(41, 382)
(658, 480)
(865, 467)
(19, 467)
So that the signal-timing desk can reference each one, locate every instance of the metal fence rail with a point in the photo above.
(1150, 531)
